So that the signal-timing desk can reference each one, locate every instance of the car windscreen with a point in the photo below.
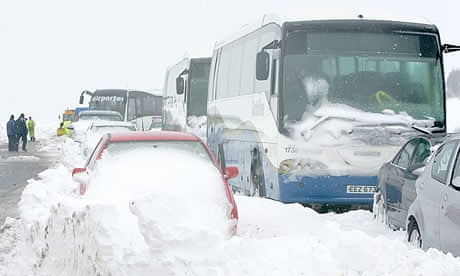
(107, 117)
(107, 129)
(192, 147)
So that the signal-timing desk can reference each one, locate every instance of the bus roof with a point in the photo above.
(188, 58)
(321, 15)
(122, 92)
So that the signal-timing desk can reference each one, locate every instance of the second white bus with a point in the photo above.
(142, 108)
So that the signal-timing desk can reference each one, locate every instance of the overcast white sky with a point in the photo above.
(51, 50)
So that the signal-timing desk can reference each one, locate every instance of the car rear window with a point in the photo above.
(106, 129)
(192, 147)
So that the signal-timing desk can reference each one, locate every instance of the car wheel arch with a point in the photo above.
(414, 215)
(414, 229)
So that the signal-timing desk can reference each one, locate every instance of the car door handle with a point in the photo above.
(443, 205)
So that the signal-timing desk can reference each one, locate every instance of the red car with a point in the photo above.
(127, 141)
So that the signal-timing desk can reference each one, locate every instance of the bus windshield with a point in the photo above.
(366, 71)
(109, 100)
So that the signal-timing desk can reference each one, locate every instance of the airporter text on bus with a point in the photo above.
(309, 109)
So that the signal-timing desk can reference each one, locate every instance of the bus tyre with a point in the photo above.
(414, 237)
(256, 179)
(255, 185)
(378, 208)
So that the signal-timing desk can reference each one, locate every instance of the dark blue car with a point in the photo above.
(396, 180)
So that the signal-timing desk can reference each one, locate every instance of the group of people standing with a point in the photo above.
(17, 130)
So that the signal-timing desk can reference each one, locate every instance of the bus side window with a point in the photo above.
(131, 112)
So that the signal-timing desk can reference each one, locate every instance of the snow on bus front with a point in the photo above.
(334, 155)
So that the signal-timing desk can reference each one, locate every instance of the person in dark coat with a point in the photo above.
(21, 131)
(11, 132)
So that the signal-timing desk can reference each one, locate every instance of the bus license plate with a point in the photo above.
(360, 189)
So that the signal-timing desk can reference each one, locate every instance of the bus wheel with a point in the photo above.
(256, 175)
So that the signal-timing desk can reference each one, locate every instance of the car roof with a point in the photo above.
(151, 136)
(450, 137)
(110, 123)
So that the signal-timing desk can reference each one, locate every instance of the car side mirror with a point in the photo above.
(78, 170)
(416, 168)
(262, 65)
(180, 85)
(80, 175)
(230, 172)
(86, 152)
(456, 182)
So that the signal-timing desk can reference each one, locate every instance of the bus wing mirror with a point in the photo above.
(180, 85)
(82, 98)
(448, 48)
(262, 65)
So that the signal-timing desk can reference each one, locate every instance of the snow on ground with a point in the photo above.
(111, 231)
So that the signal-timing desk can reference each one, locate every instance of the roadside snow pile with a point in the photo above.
(138, 216)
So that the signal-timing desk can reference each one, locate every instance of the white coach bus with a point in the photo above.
(185, 95)
(144, 109)
(310, 109)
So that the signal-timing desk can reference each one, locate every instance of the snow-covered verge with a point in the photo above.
(113, 232)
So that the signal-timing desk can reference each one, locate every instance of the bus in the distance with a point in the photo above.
(142, 108)
(310, 109)
(185, 95)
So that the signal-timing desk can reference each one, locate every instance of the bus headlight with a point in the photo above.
(290, 165)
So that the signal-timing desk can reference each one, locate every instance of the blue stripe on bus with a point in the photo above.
(324, 189)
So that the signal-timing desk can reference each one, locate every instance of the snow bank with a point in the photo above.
(138, 216)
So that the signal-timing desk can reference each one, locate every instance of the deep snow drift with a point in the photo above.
(122, 228)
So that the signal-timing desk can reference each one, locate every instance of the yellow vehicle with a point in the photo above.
(67, 117)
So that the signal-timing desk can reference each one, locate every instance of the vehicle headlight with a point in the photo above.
(290, 165)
